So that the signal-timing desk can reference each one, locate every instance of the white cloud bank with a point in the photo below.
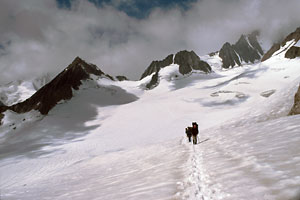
(39, 38)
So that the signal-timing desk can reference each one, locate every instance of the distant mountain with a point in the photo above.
(187, 61)
(155, 66)
(246, 49)
(60, 88)
(20, 90)
(289, 46)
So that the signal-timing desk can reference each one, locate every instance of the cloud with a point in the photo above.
(36, 37)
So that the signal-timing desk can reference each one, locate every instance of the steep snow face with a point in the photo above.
(114, 140)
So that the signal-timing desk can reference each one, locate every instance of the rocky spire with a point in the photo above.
(246, 49)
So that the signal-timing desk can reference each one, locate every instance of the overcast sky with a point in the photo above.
(122, 37)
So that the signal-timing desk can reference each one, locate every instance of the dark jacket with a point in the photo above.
(188, 131)
(195, 130)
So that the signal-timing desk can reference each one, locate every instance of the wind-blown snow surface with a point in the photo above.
(115, 141)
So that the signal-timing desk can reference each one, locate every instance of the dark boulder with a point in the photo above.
(293, 52)
(189, 60)
(155, 66)
(121, 78)
(296, 107)
(60, 88)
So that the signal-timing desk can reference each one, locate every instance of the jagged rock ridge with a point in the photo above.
(155, 66)
(246, 49)
(296, 107)
(187, 61)
(291, 53)
(60, 88)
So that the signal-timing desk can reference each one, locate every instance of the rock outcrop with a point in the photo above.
(122, 78)
(246, 49)
(189, 60)
(296, 107)
(293, 52)
(292, 36)
(155, 66)
(154, 81)
(60, 88)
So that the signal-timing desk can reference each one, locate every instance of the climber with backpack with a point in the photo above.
(195, 132)
(188, 132)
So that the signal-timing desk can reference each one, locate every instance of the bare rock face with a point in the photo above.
(292, 36)
(189, 60)
(246, 49)
(293, 52)
(155, 66)
(154, 81)
(296, 107)
(229, 56)
(60, 88)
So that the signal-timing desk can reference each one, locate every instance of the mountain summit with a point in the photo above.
(246, 49)
(187, 61)
(60, 88)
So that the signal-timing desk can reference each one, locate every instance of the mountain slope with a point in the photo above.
(60, 88)
(288, 43)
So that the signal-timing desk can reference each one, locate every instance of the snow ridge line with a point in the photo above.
(198, 185)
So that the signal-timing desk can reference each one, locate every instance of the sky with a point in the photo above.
(122, 37)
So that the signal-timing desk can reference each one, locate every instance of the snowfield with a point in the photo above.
(114, 140)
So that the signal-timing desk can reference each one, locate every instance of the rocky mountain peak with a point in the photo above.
(60, 88)
(246, 49)
(189, 60)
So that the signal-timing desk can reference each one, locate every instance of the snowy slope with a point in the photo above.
(114, 140)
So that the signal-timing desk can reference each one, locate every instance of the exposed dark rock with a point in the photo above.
(154, 81)
(292, 36)
(267, 93)
(189, 60)
(246, 52)
(296, 107)
(254, 43)
(155, 66)
(213, 53)
(272, 50)
(121, 78)
(229, 56)
(1, 104)
(293, 52)
(60, 88)
(246, 49)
